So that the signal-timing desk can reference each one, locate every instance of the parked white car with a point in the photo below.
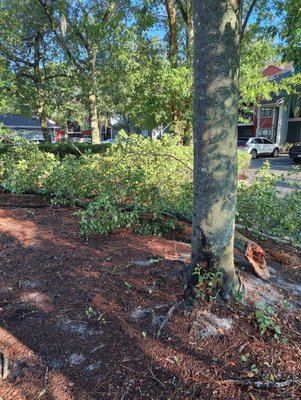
(258, 146)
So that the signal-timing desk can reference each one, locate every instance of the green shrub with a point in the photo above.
(63, 149)
(267, 321)
(25, 168)
(75, 178)
(286, 146)
(142, 183)
(261, 207)
(243, 160)
(144, 177)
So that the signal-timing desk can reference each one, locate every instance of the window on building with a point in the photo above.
(266, 112)
(267, 133)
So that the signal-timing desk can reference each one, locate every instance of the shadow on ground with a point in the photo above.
(79, 319)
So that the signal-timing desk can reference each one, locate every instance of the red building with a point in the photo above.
(274, 119)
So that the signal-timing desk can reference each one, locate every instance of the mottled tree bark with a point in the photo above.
(217, 32)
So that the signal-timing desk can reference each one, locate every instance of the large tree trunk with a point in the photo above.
(217, 28)
(92, 99)
(42, 112)
(40, 87)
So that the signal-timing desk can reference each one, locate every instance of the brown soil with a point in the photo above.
(52, 283)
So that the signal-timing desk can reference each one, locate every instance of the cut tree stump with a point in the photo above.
(253, 253)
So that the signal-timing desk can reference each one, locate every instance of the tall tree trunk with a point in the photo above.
(42, 112)
(185, 8)
(40, 87)
(217, 30)
(92, 98)
(189, 32)
(173, 55)
(172, 35)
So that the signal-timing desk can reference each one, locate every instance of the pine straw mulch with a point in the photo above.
(79, 319)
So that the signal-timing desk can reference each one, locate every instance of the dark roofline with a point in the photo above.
(18, 121)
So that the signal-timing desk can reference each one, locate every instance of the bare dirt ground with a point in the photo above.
(78, 320)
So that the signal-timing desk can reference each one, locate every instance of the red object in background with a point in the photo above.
(59, 135)
(87, 132)
(271, 70)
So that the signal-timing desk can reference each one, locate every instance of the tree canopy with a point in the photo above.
(88, 60)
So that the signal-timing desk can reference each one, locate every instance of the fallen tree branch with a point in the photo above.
(163, 155)
(156, 379)
(24, 205)
(286, 240)
(168, 316)
(250, 249)
(253, 253)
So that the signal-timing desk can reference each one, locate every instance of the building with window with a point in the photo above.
(278, 119)
(29, 128)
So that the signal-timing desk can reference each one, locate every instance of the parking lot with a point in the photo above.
(280, 165)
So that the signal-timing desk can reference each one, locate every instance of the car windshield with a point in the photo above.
(243, 141)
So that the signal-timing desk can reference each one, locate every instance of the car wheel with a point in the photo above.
(253, 154)
(297, 160)
(275, 153)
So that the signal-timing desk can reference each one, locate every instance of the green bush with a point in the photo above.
(75, 178)
(63, 149)
(144, 177)
(142, 183)
(243, 160)
(25, 168)
(261, 207)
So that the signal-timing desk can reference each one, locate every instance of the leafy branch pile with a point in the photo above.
(142, 183)
(24, 168)
(264, 209)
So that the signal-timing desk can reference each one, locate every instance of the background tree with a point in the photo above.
(81, 28)
(27, 45)
(8, 89)
(290, 13)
